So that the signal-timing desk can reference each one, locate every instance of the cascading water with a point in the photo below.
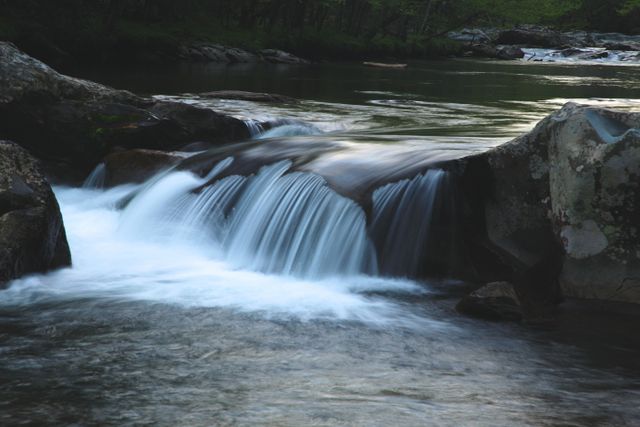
(280, 128)
(97, 177)
(275, 222)
(290, 129)
(413, 225)
(294, 224)
(255, 127)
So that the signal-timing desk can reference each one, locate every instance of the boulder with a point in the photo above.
(137, 166)
(510, 52)
(207, 52)
(556, 211)
(536, 37)
(276, 56)
(594, 173)
(72, 122)
(497, 52)
(494, 301)
(624, 46)
(32, 235)
(470, 35)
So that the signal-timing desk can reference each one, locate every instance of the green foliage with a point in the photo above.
(308, 27)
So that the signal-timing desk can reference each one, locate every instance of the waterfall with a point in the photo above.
(96, 178)
(290, 129)
(295, 224)
(288, 222)
(156, 210)
(275, 221)
(255, 127)
(280, 128)
(413, 226)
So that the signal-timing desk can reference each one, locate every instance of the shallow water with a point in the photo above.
(161, 323)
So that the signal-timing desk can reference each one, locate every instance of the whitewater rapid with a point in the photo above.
(116, 257)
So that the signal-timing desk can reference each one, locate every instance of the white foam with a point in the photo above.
(112, 259)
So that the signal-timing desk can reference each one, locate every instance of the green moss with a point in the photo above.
(115, 119)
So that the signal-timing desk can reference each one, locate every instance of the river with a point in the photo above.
(161, 323)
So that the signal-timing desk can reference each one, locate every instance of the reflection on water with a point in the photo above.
(455, 97)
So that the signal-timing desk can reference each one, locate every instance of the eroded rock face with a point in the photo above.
(72, 122)
(595, 193)
(32, 235)
(560, 207)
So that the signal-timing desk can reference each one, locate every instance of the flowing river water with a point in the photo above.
(178, 312)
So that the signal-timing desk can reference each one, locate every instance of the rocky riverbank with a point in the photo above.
(552, 45)
(71, 124)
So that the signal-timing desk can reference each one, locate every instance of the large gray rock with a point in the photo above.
(72, 122)
(559, 208)
(594, 172)
(32, 235)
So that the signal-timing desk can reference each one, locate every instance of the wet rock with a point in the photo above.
(536, 37)
(624, 46)
(249, 96)
(510, 52)
(571, 51)
(471, 36)
(137, 166)
(72, 122)
(558, 209)
(594, 175)
(494, 301)
(32, 235)
(497, 52)
(276, 56)
(207, 52)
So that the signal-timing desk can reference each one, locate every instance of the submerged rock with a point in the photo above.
(67, 121)
(32, 235)
(494, 301)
